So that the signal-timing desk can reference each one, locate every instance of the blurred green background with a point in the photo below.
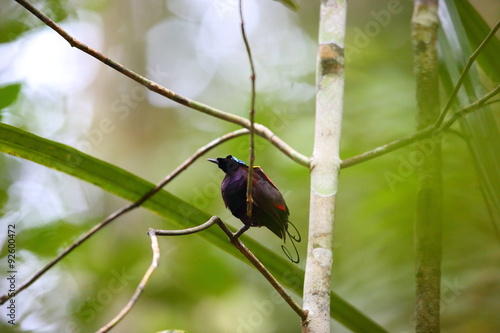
(195, 49)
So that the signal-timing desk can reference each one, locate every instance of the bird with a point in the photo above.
(269, 208)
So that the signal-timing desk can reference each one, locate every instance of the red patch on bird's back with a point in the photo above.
(282, 207)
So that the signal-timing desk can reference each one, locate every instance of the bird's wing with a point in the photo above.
(260, 172)
(270, 201)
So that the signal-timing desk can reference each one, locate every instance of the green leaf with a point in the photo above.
(8, 94)
(113, 179)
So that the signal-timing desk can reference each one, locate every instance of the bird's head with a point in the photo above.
(229, 164)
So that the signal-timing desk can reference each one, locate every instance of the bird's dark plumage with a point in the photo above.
(269, 208)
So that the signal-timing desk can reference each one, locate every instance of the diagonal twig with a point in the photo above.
(124, 210)
(187, 231)
(263, 270)
(260, 130)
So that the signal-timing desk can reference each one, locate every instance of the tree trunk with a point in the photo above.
(325, 165)
(429, 211)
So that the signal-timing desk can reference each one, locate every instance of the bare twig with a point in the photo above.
(187, 231)
(125, 209)
(252, 115)
(461, 79)
(260, 130)
(140, 288)
(422, 134)
(263, 270)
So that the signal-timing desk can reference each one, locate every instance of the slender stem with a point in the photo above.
(260, 130)
(461, 79)
(140, 288)
(325, 165)
(252, 115)
(263, 270)
(428, 221)
(187, 231)
(125, 209)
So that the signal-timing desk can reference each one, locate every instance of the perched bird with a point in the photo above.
(269, 208)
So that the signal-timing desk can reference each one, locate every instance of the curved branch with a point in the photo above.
(140, 288)
(159, 89)
(187, 231)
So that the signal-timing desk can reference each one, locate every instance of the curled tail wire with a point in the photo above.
(293, 238)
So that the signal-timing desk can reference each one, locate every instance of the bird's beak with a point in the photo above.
(213, 160)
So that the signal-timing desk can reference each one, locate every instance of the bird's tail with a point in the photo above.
(293, 238)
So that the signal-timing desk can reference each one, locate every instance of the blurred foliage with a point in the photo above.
(8, 95)
(15, 20)
(198, 287)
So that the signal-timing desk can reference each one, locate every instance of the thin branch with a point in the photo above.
(187, 231)
(140, 288)
(252, 115)
(388, 147)
(125, 209)
(263, 270)
(422, 134)
(260, 130)
(466, 69)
